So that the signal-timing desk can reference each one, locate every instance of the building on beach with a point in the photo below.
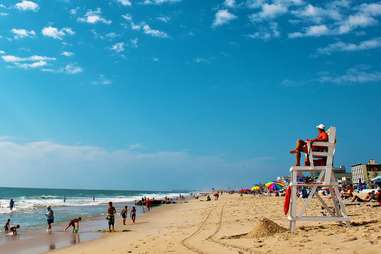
(342, 176)
(365, 172)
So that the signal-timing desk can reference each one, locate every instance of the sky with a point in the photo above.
(182, 94)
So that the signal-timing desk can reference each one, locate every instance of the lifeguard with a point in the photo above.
(301, 145)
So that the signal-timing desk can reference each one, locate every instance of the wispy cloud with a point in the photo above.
(102, 80)
(160, 2)
(27, 6)
(267, 33)
(230, 3)
(125, 2)
(312, 31)
(118, 47)
(269, 11)
(55, 33)
(22, 33)
(342, 46)
(31, 62)
(67, 53)
(223, 17)
(71, 69)
(154, 32)
(147, 29)
(94, 17)
(357, 75)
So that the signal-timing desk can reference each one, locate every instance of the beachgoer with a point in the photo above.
(148, 204)
(123, 213)
(111, 217)
(13, 230)
(64, 199)
(301, 145)
(7, 226)
(367, 198)
(75, 224)
(209, 199)
(133, 214)
(93, 198)
(49, 218)
(11, 204)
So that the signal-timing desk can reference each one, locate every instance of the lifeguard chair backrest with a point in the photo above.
(328, 153)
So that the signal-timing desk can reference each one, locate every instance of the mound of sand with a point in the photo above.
(265, 227)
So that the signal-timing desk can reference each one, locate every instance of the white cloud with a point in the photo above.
(67, 53)
(267, 33)
(269, 11)
(373, 9)
(312, 31)
(94, 17)
(160, 2)
(125, 2)
(223, 17)
(22, 33)
(317, 14)
(154, 32)
(358, 75)
(31, 62)
(342, 46)
(230, 3)
(90, 167)
(355, 21)
(118, 47)
(55, 33)
(72, 69)
(27, 6)
(164, 19)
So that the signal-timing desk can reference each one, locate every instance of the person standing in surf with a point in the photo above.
(123, 213)
(49, 219)
(11, 204)
(111, 211)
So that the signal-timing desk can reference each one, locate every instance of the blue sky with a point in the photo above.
(168, 94)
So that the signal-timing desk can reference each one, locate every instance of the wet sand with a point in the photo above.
(225, 226)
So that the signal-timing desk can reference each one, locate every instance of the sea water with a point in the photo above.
(31, 203)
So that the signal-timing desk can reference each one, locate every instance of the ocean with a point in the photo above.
(31, 203)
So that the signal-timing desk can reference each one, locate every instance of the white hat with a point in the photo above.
(321, 126)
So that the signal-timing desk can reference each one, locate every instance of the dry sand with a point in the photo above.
(237, 224)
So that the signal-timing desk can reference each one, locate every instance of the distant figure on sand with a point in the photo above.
(133, 214)
(75, 224)
(148, 204)
(49, 218)
(7, 226)
(11, 204)
(301, 145)
(111, 217)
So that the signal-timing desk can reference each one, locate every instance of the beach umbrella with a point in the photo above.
(255, 188)
(275, 186)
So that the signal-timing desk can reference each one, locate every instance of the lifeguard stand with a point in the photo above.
(321, 162)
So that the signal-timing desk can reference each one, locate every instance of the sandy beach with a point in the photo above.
(233, 225)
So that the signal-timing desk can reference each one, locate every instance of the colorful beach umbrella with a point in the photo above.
(275, 186)
(255, 188)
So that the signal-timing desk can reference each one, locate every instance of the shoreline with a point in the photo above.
(232, 224)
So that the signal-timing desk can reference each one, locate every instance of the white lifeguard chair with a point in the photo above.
(326, 179)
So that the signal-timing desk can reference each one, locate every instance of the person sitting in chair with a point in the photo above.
(301, 145)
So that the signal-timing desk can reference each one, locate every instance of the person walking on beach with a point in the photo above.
(133, 214)
(49, 218)
(11, 204)
(111, 217)
(123, 213)
(75, 224)
(301, 145)
(7, 226)
(148, 204)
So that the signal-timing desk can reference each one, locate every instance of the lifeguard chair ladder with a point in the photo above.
(326, 179)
